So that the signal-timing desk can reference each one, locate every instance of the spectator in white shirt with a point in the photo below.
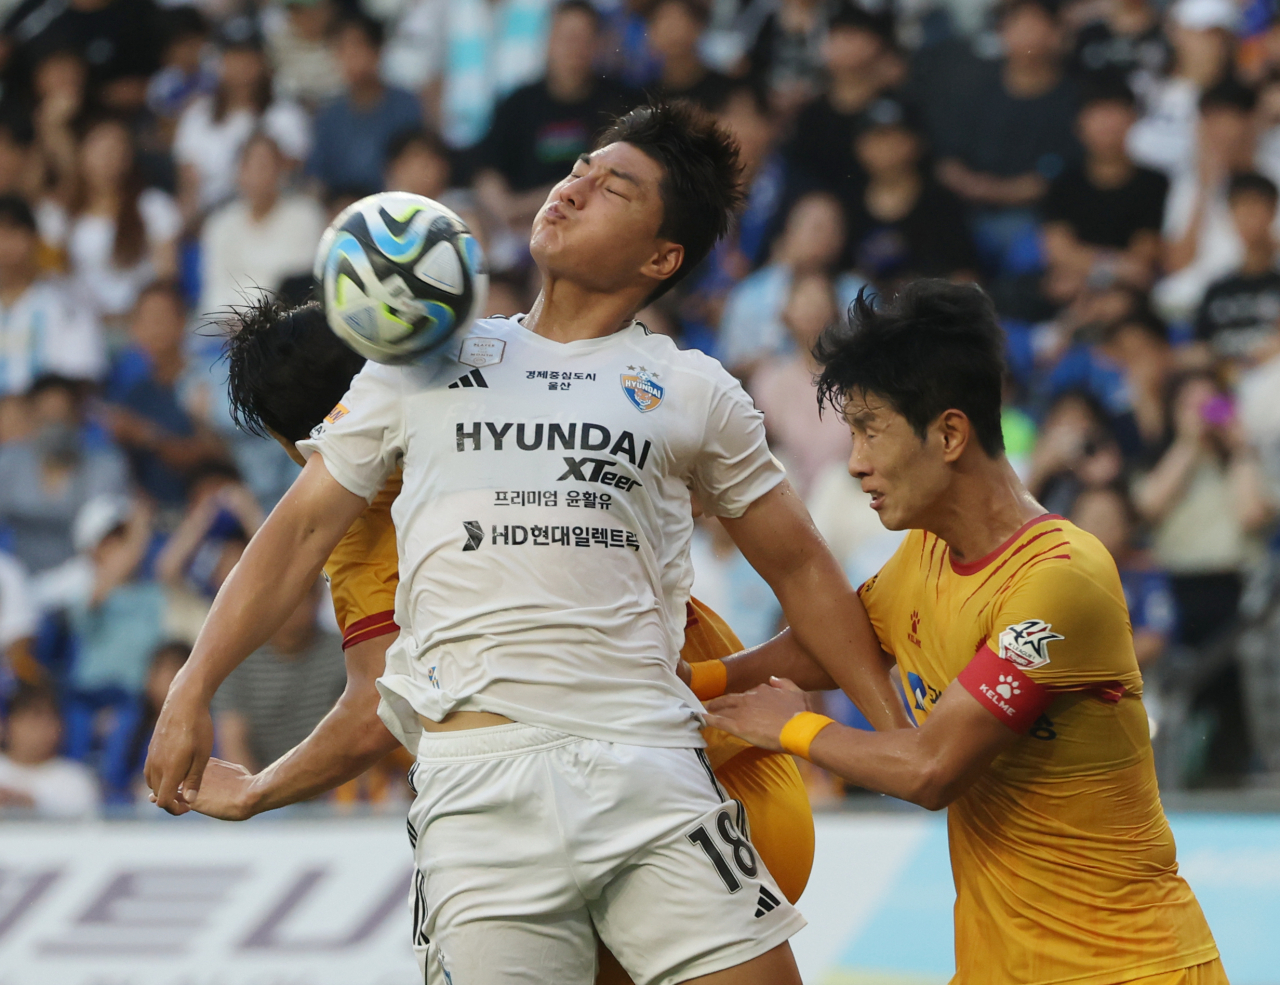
(42, 329)
(119, 235)
(214, 129)
(253, 243)
(33, 777)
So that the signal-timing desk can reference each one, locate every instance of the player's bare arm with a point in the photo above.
(931, 765)
(828, 621)
(280, 564)
(346, 742)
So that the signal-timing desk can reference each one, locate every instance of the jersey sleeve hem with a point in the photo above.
(341, 474)
(1003, 689)
(370, 627)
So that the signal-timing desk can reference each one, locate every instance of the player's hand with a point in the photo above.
(180, 748)
(226, 792)
(758, 715)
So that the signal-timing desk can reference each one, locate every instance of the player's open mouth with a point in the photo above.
(877, 500)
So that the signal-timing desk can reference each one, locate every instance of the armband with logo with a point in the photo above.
(1004, 689)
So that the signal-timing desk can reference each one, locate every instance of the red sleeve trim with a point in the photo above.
(370, 627)
(1005, 690)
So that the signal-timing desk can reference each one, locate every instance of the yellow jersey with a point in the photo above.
(363, 572)
(1064, 864)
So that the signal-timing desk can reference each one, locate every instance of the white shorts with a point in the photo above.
(529, 842)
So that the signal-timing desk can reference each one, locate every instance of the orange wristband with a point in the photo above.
(708, 678)
(800, 731)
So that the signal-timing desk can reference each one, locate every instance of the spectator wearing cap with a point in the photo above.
(1007, 130)
(214, 128)
(1127, 40)
(1237, 321)
(166, 444)
(34, 779)
(859, 65)
(1201, 32)
(120, 39)
(1201, 242)
(297, 37)
(786, 58)
(541, 129)
(253, 243)
(52, 473)
(353, 131)
(1102, 217)
(903, 224)
(118, 233)
(42, 328)
(675, 27)
(118, 618)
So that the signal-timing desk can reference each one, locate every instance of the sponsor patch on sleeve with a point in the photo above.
(1003, 689)
(1026, 644)
(335, 415)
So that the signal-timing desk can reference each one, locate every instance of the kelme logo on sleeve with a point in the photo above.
(1026, 644)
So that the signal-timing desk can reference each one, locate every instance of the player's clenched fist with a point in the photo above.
(180, 748)
(760, 714)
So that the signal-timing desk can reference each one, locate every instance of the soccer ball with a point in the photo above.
(401, 275)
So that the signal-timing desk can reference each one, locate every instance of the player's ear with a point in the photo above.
(954, 430)
(665, 261)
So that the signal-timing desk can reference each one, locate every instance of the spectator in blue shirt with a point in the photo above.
(353, 131)
(1108, 514)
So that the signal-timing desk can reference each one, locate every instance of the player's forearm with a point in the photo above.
(781, 656)
(897, 762)
(345, 743)
(830, 623)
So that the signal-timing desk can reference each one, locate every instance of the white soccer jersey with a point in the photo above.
(544, 523)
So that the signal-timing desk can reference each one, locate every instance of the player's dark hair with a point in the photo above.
(936, 346)
(1252, 183)
(701, 175)
(286, 369)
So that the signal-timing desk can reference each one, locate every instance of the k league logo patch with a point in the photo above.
(641, 390)
(1026, 644)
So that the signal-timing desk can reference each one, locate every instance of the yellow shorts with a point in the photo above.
(770, 788)
(1209, 973)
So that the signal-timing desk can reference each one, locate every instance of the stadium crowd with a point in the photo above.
(1106, 169)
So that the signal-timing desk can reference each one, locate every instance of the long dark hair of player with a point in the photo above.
(287, 370)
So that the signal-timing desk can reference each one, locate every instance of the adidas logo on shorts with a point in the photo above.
(767, 902)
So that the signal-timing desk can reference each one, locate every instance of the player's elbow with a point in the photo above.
(933, 786)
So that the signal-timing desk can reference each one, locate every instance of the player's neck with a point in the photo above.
(566, 312)
(985, 506)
